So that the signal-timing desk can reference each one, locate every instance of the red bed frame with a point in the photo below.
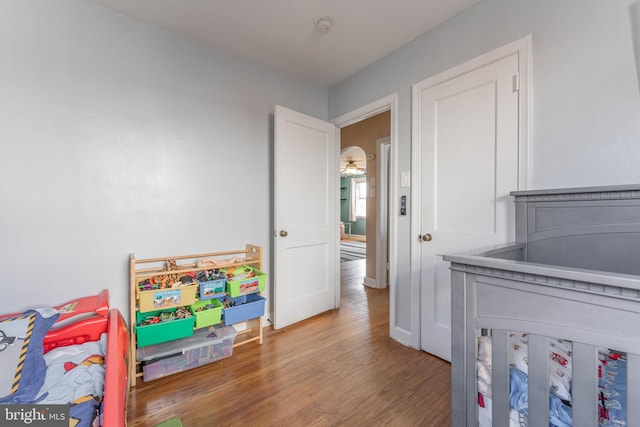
(85, 319)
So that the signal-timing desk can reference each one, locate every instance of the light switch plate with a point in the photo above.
(405, 179)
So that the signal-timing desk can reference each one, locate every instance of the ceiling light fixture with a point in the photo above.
(351, 168)
(323, 25)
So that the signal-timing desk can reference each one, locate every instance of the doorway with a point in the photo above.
(288, 124)
(359, 184)
(382, 114)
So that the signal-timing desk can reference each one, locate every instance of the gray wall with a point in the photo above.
(116, 138)
(585, 110)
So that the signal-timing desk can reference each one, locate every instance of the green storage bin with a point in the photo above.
(162, 331)
(238, 285)
(207, 316)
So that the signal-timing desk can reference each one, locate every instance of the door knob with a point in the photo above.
(283, 233)
(426, 237)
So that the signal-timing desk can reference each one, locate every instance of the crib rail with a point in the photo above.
(572, 274)
(601, 312)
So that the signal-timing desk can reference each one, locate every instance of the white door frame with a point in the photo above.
(388, 103)
(521, 47)
(382, 218)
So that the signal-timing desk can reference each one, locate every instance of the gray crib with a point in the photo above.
(573, 273)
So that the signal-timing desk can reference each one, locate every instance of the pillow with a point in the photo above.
(21, 347)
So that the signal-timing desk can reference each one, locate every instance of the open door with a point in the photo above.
(306, 280)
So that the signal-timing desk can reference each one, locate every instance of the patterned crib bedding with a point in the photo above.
(611, 383)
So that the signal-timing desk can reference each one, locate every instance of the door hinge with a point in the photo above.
(515, 80)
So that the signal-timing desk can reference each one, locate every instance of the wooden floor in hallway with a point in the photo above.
(339, 368)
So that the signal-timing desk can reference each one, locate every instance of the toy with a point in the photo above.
(212, 262)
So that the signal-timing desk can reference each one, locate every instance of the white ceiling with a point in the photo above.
(281, 34)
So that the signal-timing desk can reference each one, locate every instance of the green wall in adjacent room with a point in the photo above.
(358, 227)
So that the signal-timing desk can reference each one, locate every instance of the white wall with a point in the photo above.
(585, 110)
(117, 138)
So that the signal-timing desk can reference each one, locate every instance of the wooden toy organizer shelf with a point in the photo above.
(141, 269)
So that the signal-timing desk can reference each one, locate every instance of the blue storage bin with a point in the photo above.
(252, 308)
(212, 288)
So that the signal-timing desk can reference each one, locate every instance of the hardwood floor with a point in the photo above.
(354, 238)
(338, 368)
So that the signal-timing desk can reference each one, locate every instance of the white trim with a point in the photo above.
(372, 283)
(416, 177)
(388, 103)
(364, 112)
(522, 47)
(525, 65)
(383, 148)
(337, 227)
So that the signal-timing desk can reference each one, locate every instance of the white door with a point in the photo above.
(469, 164)
(306, 278)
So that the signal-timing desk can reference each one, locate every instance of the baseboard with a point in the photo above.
(372, 283)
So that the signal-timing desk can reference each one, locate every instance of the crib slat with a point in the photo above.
(585, 385)
(538, 362)
(633, 389)
(500, 378)
(462, 355)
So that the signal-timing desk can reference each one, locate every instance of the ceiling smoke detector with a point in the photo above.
(323, 25)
